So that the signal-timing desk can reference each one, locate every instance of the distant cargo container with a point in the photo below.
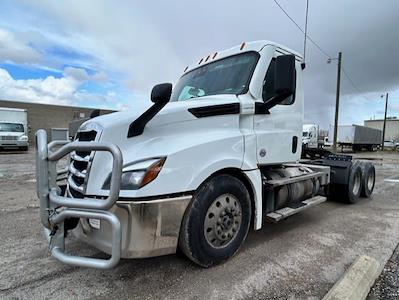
(356, 136)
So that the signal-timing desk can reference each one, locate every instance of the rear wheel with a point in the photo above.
(216, 222)
(368, 179)
(352, 192)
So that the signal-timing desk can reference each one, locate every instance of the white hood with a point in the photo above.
(173, 129)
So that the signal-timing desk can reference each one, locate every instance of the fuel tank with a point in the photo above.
(293, 192)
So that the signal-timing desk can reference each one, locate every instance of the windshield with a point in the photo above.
(305, 134)
(11, 127)
(230, 75)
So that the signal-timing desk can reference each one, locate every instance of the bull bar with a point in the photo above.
(55, 208)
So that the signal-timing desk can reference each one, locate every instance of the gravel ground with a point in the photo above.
(299, 258)
(387, 285)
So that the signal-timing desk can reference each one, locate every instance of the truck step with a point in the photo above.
(285, 212)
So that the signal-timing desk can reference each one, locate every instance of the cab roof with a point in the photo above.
(244, 47)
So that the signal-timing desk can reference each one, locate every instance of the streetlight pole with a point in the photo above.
(385, 120)
(337, 101)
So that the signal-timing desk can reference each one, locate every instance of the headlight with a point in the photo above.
(23, 138)
(139, 174)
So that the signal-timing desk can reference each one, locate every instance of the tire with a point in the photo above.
(368, 180)
(24, 148)
(353, 189)
(213, 229)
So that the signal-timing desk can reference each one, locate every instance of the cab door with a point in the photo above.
(279, 131)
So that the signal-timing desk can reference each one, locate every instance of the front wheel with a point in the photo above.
(216, 222)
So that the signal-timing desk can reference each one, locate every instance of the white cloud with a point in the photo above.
(51, 90)
(77, 74)
(119, 38)
(15, 48)
(48, 90)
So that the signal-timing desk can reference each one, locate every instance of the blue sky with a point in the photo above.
(44, 59)
(107, 54)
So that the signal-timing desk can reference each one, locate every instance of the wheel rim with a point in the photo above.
(370, 181)
(356, 184)
(222, 221)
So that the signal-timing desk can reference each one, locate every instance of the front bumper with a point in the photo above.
(128, 229)
(149, 228)
(12, 143)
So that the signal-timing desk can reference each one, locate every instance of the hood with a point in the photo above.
(174, 128)
(173, 112)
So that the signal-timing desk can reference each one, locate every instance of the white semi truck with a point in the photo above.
(310, 135)
(13, 128)
(218, 154)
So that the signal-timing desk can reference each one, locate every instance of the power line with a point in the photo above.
(354, 85)
(300, 28)
(306, 31)
(320, 48)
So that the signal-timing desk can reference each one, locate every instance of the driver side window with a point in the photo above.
(268, 86)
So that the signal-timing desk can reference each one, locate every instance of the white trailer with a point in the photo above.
(13, 128)
(357, 137)
(217, 155)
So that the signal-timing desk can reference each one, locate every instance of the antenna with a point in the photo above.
(306, 35)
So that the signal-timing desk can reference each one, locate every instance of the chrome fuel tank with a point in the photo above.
(292, 192)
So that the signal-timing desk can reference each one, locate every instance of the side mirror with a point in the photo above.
(161, 93)
(284, 76)
(284, 80)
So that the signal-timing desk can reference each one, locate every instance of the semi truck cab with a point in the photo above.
(211, 157)
(310, 136)
(13, 128)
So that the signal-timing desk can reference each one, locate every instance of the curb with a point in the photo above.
(356, 282)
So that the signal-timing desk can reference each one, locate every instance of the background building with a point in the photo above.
(391, 128)
(49, 116)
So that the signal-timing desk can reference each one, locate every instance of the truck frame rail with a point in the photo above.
(55, 208)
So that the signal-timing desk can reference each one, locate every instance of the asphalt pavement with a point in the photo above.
(299, 258)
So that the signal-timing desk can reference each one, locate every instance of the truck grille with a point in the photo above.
(80, 163)
(8, 138)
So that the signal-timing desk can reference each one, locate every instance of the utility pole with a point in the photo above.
(385, 121)
(337, 101)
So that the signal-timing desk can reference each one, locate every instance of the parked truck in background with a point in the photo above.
(310, 134)
(13, 128)
(218, 154)
(311, 137)
(357, 137)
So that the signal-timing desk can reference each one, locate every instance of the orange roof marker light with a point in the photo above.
(242, 46)
(207, 58)
(214, 55)
(200, 61)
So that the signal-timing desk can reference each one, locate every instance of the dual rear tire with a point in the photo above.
(368, 175)
(360, 184)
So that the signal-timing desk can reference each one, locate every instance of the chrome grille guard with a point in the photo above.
(55, 208)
